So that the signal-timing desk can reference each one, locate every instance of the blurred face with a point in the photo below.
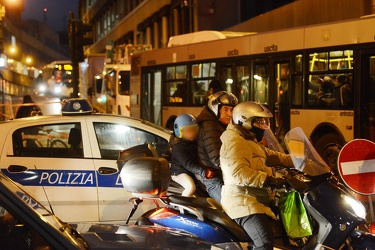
(225, 114)
(190, 133)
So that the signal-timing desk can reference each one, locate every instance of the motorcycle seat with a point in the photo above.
(212, 210)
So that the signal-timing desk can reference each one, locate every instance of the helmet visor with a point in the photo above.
(261, 122)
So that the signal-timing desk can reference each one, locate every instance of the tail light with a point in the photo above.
(163, 213)
(372, 228)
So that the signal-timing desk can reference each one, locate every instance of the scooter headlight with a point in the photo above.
(357, 206)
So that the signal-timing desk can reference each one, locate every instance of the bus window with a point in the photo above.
(330, 90)
(341, 60)
(243, 83)
(176, 92)
(367, 98)
(281, 93)
(124, 82)
(203, 70)
(176, 89)
(298, 63)
(202, 75)
(318, 62)
(227, 77)
(297, 82)
(297, 91)
(98, 85)
(199, 91)
(176, 72)
(261, 81)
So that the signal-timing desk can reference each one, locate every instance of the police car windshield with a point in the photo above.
(42, 212)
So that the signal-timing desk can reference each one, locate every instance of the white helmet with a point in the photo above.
(245, 112)
(218, 99)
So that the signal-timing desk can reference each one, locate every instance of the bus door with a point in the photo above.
(270, 87)
(366, 127)
(236, 78)
(281, 105)
(151, 83)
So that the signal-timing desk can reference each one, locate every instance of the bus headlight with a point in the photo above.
(357, 206)
(57, 90)
(42, 88)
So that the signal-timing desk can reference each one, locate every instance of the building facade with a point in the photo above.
(26, 47)
(153, 21)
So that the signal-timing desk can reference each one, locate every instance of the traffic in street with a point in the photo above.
(187, 124)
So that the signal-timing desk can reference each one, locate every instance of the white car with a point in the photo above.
(68, 163)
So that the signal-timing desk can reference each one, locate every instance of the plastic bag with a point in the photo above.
(294, 216)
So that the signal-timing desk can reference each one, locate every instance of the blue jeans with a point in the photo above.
(259, 228)
(213, 188)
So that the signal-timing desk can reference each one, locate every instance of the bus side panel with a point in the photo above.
(310, 119)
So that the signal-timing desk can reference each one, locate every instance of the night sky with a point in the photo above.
(57, 11)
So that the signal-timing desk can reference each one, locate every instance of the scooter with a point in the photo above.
(335, 213)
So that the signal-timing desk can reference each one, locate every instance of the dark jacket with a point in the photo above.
(28, 111)
(209, 143)
(185, 157)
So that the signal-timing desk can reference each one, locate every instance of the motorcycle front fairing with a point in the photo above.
(336, 211)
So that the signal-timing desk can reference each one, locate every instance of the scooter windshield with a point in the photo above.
(272, 142)
(304, 156)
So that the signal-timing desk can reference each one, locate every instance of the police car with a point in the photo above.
(26, 224)
(68, 162)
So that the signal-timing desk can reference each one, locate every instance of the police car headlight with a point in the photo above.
(357, 206)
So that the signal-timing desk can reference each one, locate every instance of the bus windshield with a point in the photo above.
(124, 82)
(56, 79)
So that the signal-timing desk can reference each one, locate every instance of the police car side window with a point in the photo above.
(112, 138)
(51, 140)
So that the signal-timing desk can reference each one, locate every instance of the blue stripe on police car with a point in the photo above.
(72, 178)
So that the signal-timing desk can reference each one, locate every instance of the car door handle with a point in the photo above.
(107, 170)
(16, 169)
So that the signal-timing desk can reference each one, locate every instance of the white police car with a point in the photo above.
(26, 224)
(68, 162)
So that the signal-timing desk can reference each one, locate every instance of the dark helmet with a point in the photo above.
(215, 101)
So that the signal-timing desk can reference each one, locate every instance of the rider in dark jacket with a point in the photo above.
(184, 158)
(185, 154)
(213, 120)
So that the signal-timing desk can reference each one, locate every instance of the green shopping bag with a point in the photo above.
(294, 216)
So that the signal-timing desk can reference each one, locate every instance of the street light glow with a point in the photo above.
(28, 60)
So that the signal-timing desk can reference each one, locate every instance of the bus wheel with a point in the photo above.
(329, 146)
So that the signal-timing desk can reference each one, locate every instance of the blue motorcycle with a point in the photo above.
(334, 212)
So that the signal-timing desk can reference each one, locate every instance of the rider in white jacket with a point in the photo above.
(244, 196)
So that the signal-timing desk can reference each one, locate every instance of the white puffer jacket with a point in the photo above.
(244, 173)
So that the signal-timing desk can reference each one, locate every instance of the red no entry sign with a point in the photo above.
(356, 164)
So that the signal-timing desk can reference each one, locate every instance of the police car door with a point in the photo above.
(53, 159)
(112, 136)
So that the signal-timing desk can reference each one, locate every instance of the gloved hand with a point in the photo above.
(274, 182)
(210, 173)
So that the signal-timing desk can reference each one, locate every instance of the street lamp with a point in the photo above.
(29, 60)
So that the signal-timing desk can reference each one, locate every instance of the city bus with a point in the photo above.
(56, 79)
(106, 79)
(320, 78)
